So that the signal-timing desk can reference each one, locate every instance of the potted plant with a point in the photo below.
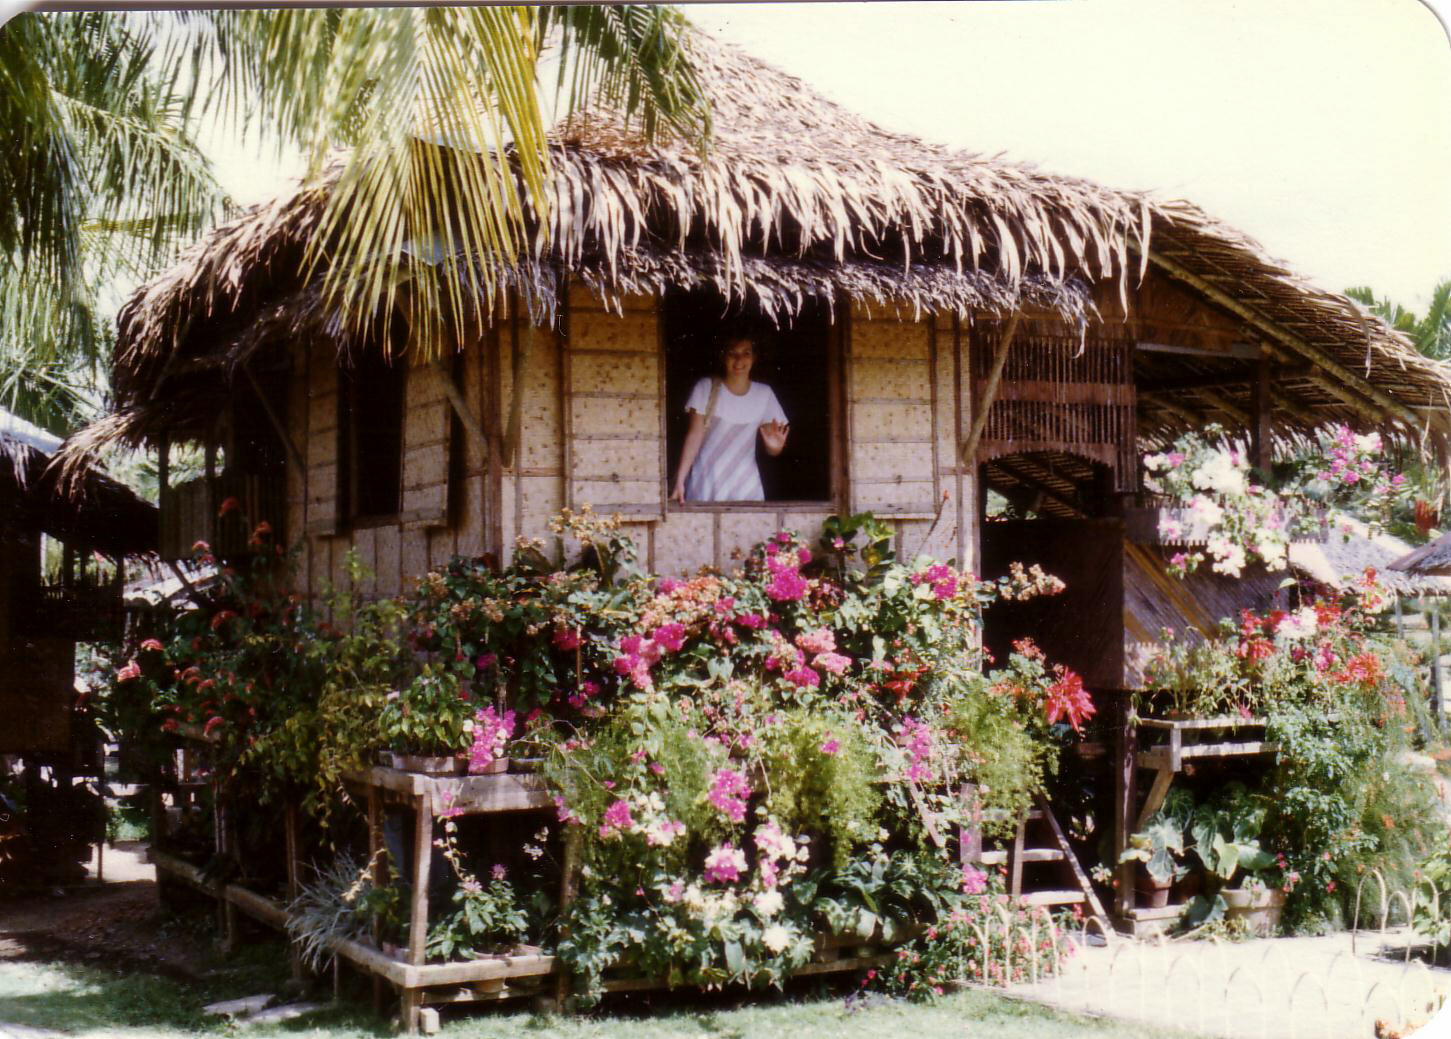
(1155, 848)
(426, 725)
(1225, 834)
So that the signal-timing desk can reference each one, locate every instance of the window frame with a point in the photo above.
(837, 424)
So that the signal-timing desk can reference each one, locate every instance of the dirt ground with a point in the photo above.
(120, 922)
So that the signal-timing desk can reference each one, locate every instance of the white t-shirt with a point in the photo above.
(725, 469)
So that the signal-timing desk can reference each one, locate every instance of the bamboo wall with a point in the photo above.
(588, 427)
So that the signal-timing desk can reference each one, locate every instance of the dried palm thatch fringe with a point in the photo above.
(796, 198)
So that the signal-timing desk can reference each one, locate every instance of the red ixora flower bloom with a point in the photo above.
(228, 505)
(1068, 699)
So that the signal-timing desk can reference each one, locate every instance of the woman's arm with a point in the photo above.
(694, 437)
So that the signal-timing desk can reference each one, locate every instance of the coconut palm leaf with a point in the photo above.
(440, 111)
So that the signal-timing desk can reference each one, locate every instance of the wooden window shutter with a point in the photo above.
(427, 441)
(613, 412)
(891, 405)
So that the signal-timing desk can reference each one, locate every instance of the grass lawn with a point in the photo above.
(94, 1001)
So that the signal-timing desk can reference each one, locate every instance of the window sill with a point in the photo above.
(369, 522)
(753, 506)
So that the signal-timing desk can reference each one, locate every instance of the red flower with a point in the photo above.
(228, 505)
(1068, 699)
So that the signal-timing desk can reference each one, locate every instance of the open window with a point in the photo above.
(795, 367)
(370, 437)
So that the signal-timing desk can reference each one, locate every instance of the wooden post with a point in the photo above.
(1125, 801)
(1437, 707)
(1400, 621)
(1260, 413)
(989, 391)
(422, 857)
(294, 879)
(379, 868)
(568, 891)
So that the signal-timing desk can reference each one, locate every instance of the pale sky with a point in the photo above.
(1320, 127)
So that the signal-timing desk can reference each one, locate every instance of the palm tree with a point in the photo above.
(1431, 333)
(438, 110)
(99, 174)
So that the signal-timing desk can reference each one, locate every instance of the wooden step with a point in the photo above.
(999, 856)
(1061, 897)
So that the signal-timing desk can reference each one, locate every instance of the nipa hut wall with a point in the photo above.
(588, 428)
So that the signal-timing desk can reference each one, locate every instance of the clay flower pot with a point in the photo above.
(1259, 909)
(1155, 893)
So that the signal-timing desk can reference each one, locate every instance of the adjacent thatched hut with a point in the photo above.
(41, 621)
(938, 324)
(1430, 560)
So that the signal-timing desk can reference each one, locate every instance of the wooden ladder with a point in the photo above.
(1048, 845)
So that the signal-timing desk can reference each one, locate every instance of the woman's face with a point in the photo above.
(739, 357)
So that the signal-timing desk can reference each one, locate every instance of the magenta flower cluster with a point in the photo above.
(617, 819)
(639, 654)
(729, 793)
(941, 577)
(492, 732)
(919, 742)
(787, 584)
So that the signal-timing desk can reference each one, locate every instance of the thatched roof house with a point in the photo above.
(942, 324)
(800, 199)
(41, 620)
(1349, 549)
(1430, 560)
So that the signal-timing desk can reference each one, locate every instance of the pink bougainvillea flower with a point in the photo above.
(830, 746)
(500, 871)
(974, 880)
(670, 637)
(819, 641)
(486, 661)
(725, 864)
(669, 585)
(787, 586)
(803, 677)
(616, 819)
(153, 646)
(729, 793)
(833, 662)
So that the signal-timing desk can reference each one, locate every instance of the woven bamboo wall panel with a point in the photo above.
(388, 559)
(540, 499)
(881, 420)
(909, 498)
(685, 542)
(613, 411)
(597, 330)
(739, 532)
(541, 440)
(878, 339)
(892, 461)
(614, 372)
(880, 379)
(427, 426)
(599, 417)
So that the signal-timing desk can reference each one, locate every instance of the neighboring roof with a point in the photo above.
(1349, 548)
(1430, 559)
(99, 512)
(797, 198)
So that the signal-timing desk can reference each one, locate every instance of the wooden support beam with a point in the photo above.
(293, 454)
(1225, 407)
(460, 405)
(989, 391)
(1349, 380)
(1036, 485)
(1260, 415)
(1234, 351)
(1225, 380)
(1189, 415)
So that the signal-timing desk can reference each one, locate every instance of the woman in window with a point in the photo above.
(718, 459)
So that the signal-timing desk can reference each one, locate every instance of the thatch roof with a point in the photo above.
(1430, 559)
(98, 512)
(796, 198)
(1349, 548)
